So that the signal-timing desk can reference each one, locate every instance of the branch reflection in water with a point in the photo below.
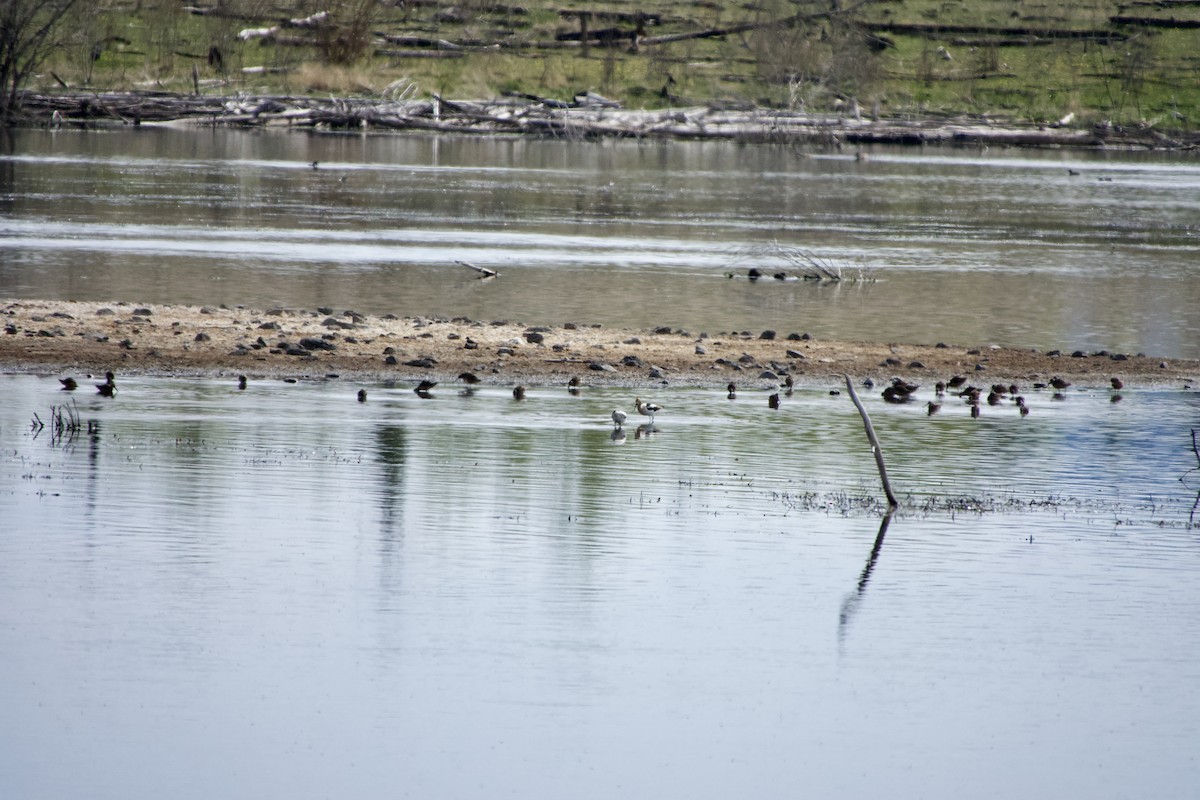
(850, 604)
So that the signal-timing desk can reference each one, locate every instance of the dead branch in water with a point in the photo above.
(875, 448)
(484, 272)
(782, 262)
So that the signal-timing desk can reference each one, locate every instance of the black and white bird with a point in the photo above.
(647, 409)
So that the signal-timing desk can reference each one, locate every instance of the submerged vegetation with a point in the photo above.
(1095, 62)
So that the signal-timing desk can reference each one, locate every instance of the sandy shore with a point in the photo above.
(92, 338)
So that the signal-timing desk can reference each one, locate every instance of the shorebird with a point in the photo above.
(732, 389)
(773, 400)
(424, 386)
(1059, 383)
(618, 417)
(69, 384)
(469, 378)
(362, 395)
(647, 409)
(932, 408)
(109, 387)
(241, 381)
(1117, 384)
(519, 393)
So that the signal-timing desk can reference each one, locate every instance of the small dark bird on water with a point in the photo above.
(773, 400)
(975, 410)
(956, 381)
(1059, 383)
(362, 395)
(469, 378)
(519, 393)
(731, 388)
(932, 408)
(69, 384)
(424, 386)
(1117, 384)
(241, 381)
(109, 387)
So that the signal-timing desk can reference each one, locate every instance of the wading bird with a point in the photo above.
(647, 409)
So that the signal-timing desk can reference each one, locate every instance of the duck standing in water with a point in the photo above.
(519, 393)
(69, 384)
(109, 387)
(647, 409)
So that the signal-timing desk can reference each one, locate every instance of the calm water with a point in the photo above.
(284, 593)
(966, 247)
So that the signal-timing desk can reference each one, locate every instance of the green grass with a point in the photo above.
(1149, 78)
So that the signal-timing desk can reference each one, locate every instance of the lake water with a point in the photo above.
(283, 592)
(965, 246)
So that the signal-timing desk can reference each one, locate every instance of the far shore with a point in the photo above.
(90, 338)
(592, 117)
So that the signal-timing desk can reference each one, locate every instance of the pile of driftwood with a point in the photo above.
(587, 116)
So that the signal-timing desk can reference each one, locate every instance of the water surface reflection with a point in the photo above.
(285, 591)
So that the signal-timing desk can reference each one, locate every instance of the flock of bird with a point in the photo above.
(898, 391)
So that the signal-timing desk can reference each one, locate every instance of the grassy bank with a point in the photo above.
(1025, 60)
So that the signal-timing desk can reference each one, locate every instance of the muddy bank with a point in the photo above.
(92, 338)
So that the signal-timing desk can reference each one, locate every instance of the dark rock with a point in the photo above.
(424, 362)
(632, 361)
(311, 343)
(769, 335)
(202, 337)
(534, 337)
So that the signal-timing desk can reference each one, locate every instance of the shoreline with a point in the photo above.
(46, 336)
(595, 118)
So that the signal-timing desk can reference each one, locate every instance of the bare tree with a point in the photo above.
(28, 34)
